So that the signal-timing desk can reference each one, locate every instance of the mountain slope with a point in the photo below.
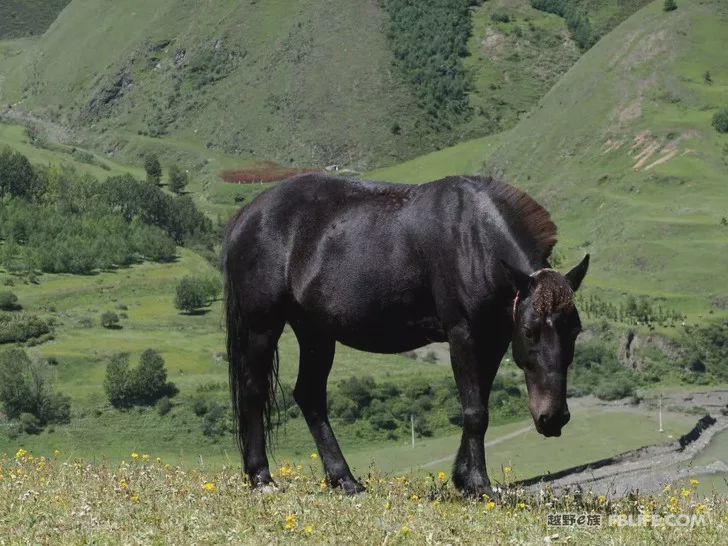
(20, 18)
(313, 82)
(622, 151)
(305, 81)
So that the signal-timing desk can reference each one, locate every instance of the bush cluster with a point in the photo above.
(20, 327)
(56, 220)
(720, 120)
(575, 17)
(596, 370)
(142, 386)
(193, 293)
(26, 392)
(429, 38)
(387, 407)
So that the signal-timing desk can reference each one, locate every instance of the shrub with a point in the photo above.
(164, 405)
(214, 423)
(153, 169)
(720, 120)
(669, 5)
(30, 424)
(150, 379)
(193, 293)
(500, 17)
(25, 388)
(178, 179)
(615, 387)
(143, 385)
(21, 327)
(200, 406)
(8, 301)
(109, 319)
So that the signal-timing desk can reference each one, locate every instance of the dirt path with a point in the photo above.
(649, 468)
(490, 443)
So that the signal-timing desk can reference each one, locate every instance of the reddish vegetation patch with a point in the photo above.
(267, 171)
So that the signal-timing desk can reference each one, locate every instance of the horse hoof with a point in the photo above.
(482, 493)
(266, 488)
(351, 487)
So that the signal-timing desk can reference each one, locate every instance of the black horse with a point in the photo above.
(387, 268)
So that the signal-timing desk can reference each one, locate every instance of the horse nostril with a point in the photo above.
(542, 420)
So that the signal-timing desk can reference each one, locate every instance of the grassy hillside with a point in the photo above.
(27, 17)
(271, 81)
(149, 501)
(622, 151)
(268, 80)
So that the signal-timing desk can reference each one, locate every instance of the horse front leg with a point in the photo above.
(474, 370)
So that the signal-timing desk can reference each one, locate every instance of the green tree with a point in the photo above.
(192, 293)
(109, 319)
(670, 5)
(720, 120)
(178, 179)
(26, 387)
(8, 301)
(17, 176)
(153, 168)
(150, 379)
(118, 382)
(143, 385)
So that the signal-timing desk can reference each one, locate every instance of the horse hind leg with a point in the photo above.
(317, 357)
(253, 375)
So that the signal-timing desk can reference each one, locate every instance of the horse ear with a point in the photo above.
(576, 275)
(520, 281)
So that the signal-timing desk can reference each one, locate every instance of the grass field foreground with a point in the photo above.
(144, 500)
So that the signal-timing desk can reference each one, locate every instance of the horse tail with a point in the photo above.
(253, 381)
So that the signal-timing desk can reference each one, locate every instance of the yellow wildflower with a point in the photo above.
(159, 460)
(441, 477)
(56, 452)
(285, 471)
(388, 505)
(314, 456)
(308, 530)
(123, 485)
(507, 470)
(134, 455)
(701, 509)
(694, 482)
(291, 522)
(405, 530)
(521, 505)
(414, 497)
(602, 499)
(667, 489)
(145, 457)
(209, 487)
(134, 498)
(686, 493)
(21, 454)
(490, 505)
(323, 486)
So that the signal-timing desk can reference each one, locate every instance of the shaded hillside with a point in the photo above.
(20, 18)
(294, 82)
(622, 148)
(623, 152)
(289, 81)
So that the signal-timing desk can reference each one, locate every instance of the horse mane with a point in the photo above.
(535, 219)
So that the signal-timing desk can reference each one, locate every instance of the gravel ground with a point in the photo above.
(650, 468)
